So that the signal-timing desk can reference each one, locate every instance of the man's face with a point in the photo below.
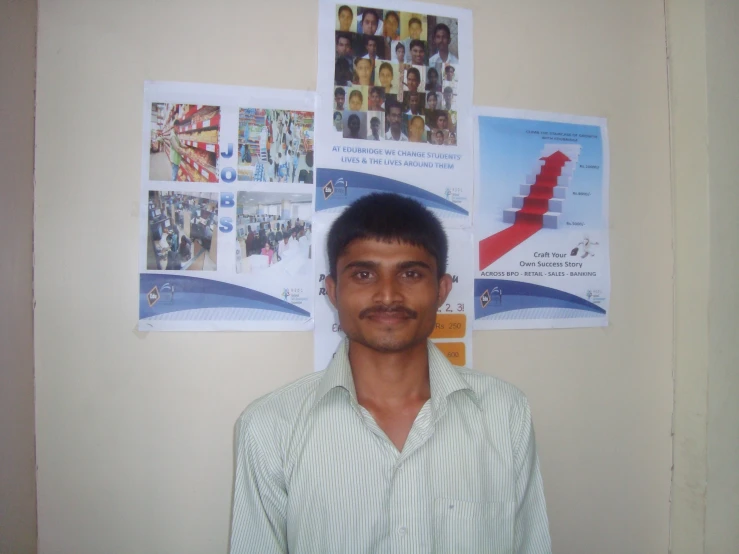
(441, 40)
(431, 102)
(355, 103)
(375, 100)
(439, 138)
(412, 81)
(417, 55)
(414, 30)
(393, 118)
(400, 54)
(387, 294)
(339, 99)
(369, 23)
(343, 47)
(449, 72)
(372, 48)
(375, 126)
(448, 96)
(354, 125)
(345, 20)
(432, 77)
(415, 130)
(442, 122)
(413, 103)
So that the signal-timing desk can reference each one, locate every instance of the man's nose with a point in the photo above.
(388, 291)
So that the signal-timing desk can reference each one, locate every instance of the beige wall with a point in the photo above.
(134, 430)
(17, 454)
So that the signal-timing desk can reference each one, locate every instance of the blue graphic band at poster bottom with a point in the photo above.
(336, 188)
(495, 296)
(161, 294)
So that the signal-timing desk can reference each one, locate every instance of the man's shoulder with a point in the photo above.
(283, 407)
(491, 391)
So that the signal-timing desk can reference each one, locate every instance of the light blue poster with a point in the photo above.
(540, 220)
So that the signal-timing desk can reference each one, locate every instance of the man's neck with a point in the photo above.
(395, 133)
(444, 55)
(390, 379)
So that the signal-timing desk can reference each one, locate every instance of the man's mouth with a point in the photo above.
(391, 313)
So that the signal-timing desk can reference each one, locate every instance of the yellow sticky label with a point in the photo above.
(454, 351)
(450, 326)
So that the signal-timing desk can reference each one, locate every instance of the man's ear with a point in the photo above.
(445, 287)
(331, 289)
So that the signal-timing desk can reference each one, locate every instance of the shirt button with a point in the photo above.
(402, 530)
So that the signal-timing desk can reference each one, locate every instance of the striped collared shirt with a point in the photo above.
(316, 475)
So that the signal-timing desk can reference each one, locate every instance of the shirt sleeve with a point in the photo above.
(259, 515)
(531, 533)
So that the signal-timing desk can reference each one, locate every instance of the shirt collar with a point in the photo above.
(444, 377)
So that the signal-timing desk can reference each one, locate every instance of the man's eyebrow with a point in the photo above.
(360, 264)
(413, 264)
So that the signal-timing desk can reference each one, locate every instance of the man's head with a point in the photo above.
(439, 137)
(400, 52)
(452, 137)
(343, 44)
(375, 126)
(449, 73)
(432, 78)
(415, 129)
(442, 120)
(391, 24)
(339, 97)
(387, 258)
(355, 100)
(414, 102)
(337, 118)
(375, 98)
(431, 100)
(394, 116)
(414, 28)
(413, 79)
(342, 71)
(369, 21)
(370, 44)
(448, 95)
(418, 52)
(353, 124)
(346, 16)
(442, 36)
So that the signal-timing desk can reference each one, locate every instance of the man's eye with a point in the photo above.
(411, 274)
(362, 274)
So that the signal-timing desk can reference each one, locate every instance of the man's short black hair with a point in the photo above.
(442, 27)
(373, 11)
(345, 8)
(338, 91)
(370, 38)
(388, 217)
(343, 34)
(413, 70)
(399, 46)
(417, 42)
(414, 20)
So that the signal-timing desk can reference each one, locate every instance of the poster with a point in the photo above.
(453, 333)
(226, 206)
(541, 220)
(394, 115)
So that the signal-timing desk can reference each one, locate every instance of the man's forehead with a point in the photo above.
(391, 251)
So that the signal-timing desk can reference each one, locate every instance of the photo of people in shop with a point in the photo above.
(275, 146)
(389, 61)
(184, 143)
(183, 231)
(274, 232)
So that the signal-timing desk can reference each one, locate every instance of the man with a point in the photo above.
(353, 124)
(346, 16)
(374, 129)
(338, 119)
(418, 52)
(339, 98)
(416, 127)
(400, 53)
(432, 80)
(370, 44)
(391, 448)
(439, 137)
(394, 119)
(442, 121)
(375, 101)
(449, 74)
(431, 99)
(412, 79)
(344, 46)
(442, 36)
(448, 98)
(174, 155)
(414, 104)
(283, 246)
(370, 20)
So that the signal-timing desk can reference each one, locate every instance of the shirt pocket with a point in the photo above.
(462, 526)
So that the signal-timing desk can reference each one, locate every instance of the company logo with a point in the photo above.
(153, 296)
(285, 294)
(328, 190)
(485, 299)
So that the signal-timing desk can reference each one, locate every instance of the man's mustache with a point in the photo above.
(375, 310)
